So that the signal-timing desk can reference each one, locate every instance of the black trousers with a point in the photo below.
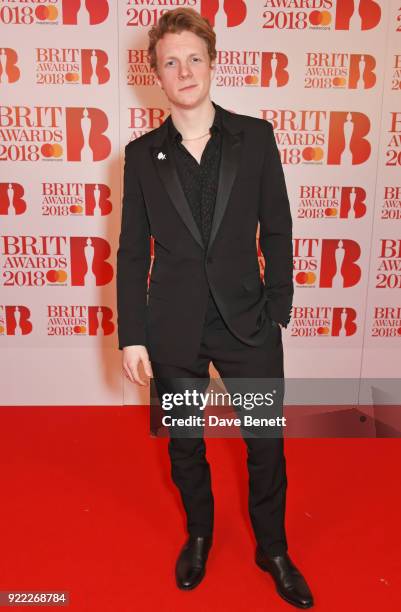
(190, 469)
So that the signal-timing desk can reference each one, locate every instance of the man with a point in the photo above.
(200, 184)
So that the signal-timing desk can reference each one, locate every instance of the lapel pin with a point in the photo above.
(161, 155)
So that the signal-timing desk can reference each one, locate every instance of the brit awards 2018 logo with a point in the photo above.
(251, 68)
(320, 137)
(144, 119)
(138, 68)
(9, 71)
(15, 320)
(12, 200)
(386, 322)
(388, 264)
(38, 261)
(353, 15)
(391, 203)
(53, 133)
(339, 71)
(326, 263)
(331, 202)
(59, 199)
(396, 76)
(323, 321)
(75, 199)
(79, 320)
(224, 13)
(71, 66)
(146, 13)
(55, 12)
(393, 148)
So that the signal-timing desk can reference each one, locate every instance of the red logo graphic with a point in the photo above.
(94, 62)
(338, 263)
(9, 71)
(235, 11)
(273, 67)
(97, 199)
(86, 140)
(14, 320)
(357, 14)
(352, 205)
(84, 12)
(88, 261)
(11, 200)
(343, 322)
(346, 142)
(100, 321)
(361, 71)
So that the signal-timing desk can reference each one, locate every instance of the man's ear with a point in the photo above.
(213, 69)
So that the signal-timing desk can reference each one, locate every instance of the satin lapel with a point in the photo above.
(229, 164)
(162, 157)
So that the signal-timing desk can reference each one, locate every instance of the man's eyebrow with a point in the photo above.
(174, 57)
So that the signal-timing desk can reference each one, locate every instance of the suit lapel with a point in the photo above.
(229, 164)
(163, 159)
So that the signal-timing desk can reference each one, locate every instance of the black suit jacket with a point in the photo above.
(168, 317)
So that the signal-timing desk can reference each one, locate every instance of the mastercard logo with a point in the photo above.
(46, 13)
(312, 153)
(51, 150)
(2, 329)
(56, 276)
(331, 212)
(320, 18)
(79, 329)
(323, 331)
(76, 209)
(339, 82)
(72, 77)
(251, 79)
(305, 278)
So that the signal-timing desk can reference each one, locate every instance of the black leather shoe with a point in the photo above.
(191, 563)
(290, 584)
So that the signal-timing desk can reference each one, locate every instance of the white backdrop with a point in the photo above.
(75, 87)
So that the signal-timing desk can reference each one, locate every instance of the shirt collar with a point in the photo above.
(216, 126)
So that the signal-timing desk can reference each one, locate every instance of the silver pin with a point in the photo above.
(162, 156)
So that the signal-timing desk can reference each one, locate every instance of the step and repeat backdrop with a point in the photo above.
(75, 87)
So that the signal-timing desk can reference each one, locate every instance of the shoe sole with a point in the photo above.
(264, 569)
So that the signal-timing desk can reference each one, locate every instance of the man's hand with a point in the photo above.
(132, 357)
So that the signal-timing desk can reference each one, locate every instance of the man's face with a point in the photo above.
(183, 66)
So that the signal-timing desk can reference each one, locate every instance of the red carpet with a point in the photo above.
(87, 506)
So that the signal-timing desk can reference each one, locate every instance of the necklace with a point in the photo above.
(198, 137)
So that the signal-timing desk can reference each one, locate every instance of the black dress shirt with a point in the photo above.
(199, 180)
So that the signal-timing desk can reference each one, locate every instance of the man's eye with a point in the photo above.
(196, 59)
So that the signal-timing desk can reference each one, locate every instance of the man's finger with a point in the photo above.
(138, 379)
(128, 373)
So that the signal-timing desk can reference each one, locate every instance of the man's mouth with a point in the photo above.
(188, 87)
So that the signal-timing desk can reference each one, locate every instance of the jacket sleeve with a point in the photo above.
(133, 259)
(275, 235)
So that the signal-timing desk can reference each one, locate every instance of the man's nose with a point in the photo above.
(184, 71)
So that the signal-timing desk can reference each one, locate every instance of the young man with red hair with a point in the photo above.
(200, 184)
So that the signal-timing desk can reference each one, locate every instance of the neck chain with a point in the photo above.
(197, 138)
